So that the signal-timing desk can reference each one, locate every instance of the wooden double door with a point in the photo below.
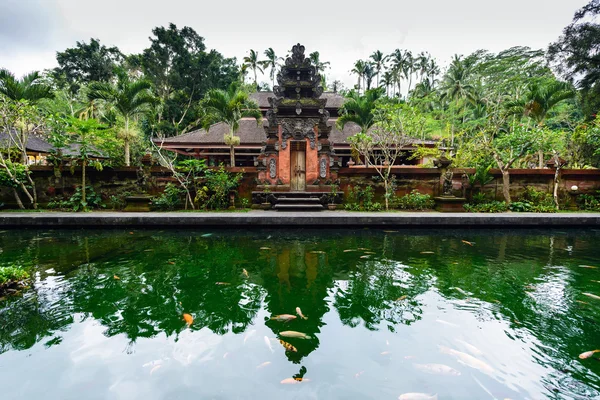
(298, 166)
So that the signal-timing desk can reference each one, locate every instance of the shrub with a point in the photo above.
(74, 203)
(520, 206)
(169, 199)
(219, 183)
(359, 199)
(589, 202)
(415, 201)
(491, 207)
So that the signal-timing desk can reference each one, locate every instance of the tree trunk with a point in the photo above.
(18, 199)
(540, 159)
(127, 157)
(232, 155)
(506, 185)
(556, 182)
(387, 205)
(83, 199)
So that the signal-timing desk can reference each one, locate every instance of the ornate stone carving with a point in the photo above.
(323, 168)
(447, 187)
(272, 168)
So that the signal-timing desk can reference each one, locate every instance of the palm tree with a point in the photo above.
(360, 109)
(252, 62)
(369, 75)
(538, 100)
(271, 62)
(387, 80)
(379, 60)
(30, 87)
(409, 68)
(432, 69)
(456, 85)
(315, 58)
(359, 69)
(399, 60)
(129, 98)
(230, 106)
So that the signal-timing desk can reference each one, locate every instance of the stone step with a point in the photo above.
(295, 200)
(298, 207)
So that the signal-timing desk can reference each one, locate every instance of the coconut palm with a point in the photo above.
(369, 74)
(387, 80)
(252, 62)
(399, 60)
(456, 84)
(379, 60)
(359, 69)
(315, 58)
(230, 106)
(271, 62)
(30, 87)
(128, 98)
(360, 109)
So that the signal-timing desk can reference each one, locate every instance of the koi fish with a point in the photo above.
(294, 334)
(582, 302)
(206, 235)
(288, 347)
(222, 283)
(171, 262)
(437, 369)
(365, 256)
(466, 242)
(390, 231)
(363, 249)
(459, 290)
(317, 252)
(116, 278)
(263, 364)
(265, 248)
(467, 360)
(369, 252)
(349, 250)
(588, 266)
(131, 233)
(268, 343)
(401, 298)
(188, 319)
(596, 281)
(588, 354)
(418, 396)
(470, 348)
(593, 296)
(245, 273)
(284, 317)
(154, 369)
(292, 381)
(299, 312)
(249, 335)
(427, 252)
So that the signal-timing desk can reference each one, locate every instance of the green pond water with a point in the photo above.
(388, 313)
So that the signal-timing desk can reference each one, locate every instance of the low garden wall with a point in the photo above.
(114, 184)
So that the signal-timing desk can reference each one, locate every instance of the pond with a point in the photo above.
(176, 314)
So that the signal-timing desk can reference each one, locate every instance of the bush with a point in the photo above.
(520, 206)
(359, 199)
(589, 202)
(533, 200)
(169, 199)
(12, 278)
(414, 201)
(219, 183)
(491, 207)
(75, 203)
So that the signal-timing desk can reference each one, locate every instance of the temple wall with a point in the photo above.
(312, 163)
(284, 167)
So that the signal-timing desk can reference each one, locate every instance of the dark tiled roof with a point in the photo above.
(334, 100)
(36, 144)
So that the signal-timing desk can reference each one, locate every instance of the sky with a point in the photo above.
(32, 31)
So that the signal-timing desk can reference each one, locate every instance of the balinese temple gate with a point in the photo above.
(297, 156)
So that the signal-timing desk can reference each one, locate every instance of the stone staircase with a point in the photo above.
(298, 202)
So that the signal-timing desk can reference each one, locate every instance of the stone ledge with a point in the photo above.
(327, 219)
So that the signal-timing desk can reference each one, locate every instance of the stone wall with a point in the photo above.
(131, 180)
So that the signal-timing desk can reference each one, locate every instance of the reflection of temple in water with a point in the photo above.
(300, 277)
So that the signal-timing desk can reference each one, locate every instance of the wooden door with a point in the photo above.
(298, 166)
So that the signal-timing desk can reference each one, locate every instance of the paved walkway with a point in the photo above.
(295, 219)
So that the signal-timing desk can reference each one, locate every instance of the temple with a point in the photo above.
(297, 146)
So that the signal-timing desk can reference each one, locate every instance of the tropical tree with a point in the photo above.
(400, 60)
(359, 70)
(538, 100)
(129, 98)
(387, 80)
(360, 109)
(315, 58)
(230, 106)
(30, 87)
(369, 74)
(271, 62)
(379, 60)
(254, 64)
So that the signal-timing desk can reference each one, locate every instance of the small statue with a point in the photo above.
(447, 187)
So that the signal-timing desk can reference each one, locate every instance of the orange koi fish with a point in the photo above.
(588, 354)
(288, 347)
(466, 242)
(188, 319)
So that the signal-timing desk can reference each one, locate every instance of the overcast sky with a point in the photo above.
(32, 31)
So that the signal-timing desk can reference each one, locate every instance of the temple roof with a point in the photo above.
(36, 144)
(334, 100)
(252, 134)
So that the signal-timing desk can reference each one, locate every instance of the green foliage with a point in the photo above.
(589, 201)
(532, 200)
(93, 201)
(245, 203)
(169, 199)
(481, 177)
(219, 183)
(414, 201)
(491, 207)
(19, 173)
(12, 274)
(361, 199)
(29, 88)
